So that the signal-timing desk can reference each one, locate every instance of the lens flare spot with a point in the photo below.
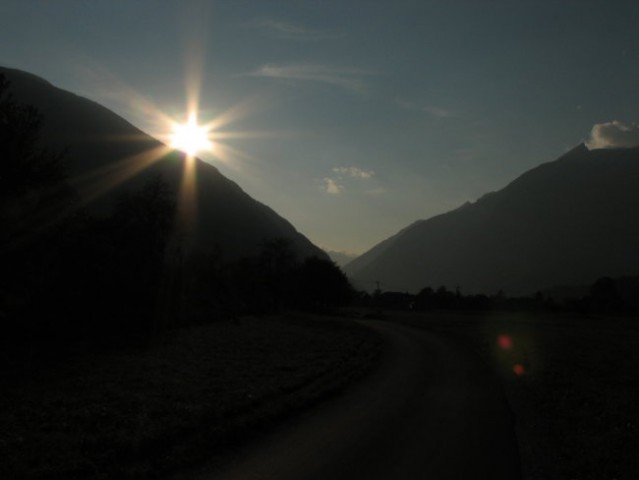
(505, 342)
(519, 369)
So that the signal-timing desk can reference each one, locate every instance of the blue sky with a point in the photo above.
(352, 119)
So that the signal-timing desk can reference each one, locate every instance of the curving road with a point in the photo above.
(432, 410)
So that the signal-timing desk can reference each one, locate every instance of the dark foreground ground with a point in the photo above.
(572, 382)
(194, 396)
(431, 410)
(267, 398)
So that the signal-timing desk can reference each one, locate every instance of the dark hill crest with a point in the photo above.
(103, 150)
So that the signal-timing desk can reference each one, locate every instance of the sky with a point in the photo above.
(352, 119)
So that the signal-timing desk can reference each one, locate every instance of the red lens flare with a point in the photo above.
(505, 342)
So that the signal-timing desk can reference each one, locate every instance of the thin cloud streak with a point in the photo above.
(347, 78)
(293, 31)
(433, 110)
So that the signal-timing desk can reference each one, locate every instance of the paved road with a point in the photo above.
(431, 410)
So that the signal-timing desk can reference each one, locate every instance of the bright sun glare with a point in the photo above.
(190, 137)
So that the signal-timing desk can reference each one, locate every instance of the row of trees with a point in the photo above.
(605, 295)
(68, 274)
(267, 283)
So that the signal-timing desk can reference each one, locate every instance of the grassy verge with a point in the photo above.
(195, 396)
(576, 395)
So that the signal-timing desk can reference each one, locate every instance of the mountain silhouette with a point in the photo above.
(106, 156)
(566, 222)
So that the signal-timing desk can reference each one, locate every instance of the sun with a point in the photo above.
(190, 137)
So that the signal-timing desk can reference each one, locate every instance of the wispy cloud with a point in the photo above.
(347, 78)
(331, 186)
(613, 134)
(435, 111)
(354, 172)
(292, 31)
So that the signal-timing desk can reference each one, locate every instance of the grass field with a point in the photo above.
(575, 390)
(193, 397)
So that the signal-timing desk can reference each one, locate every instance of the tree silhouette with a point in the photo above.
(33, 190)
(66, 273)
(34, 201)
(320, 285)
(604, 296)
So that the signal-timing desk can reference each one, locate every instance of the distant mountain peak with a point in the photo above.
(569, 221)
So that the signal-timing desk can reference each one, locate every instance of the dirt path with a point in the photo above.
(432, 410)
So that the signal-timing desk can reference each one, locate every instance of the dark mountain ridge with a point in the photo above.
(107, 155)
(569, 221)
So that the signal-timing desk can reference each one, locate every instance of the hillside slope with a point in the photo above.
(106, 156)
(568, 222)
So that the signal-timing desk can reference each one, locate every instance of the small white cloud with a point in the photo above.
(355, 172)
(331, 186)
(347, 78)
(352, 176)
(613, 134)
